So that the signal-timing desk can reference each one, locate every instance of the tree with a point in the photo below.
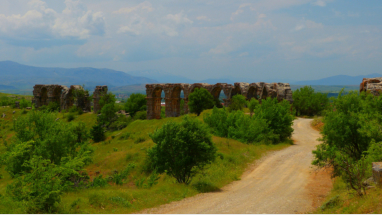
(308, 102)
(237, 103)
(105, 99)
(252, 105)
(200, 100)
(182, 149)
(136, 102)
(277, 115)
(108, 115)
(39, 134)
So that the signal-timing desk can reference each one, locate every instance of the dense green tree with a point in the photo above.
(351, 137)
(277, 115)
(200, 100)
(105, 99)
(308, 102)
(136, 102)
(252, 104)
(39, 134)
(182, 149)
(237, 103)
(108, 115)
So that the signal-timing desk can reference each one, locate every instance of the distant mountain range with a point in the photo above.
(15, 76)
(338, 80)
(25, 77)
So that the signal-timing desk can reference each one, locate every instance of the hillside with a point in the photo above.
(338, 80)
(129, 146)
(25, 77)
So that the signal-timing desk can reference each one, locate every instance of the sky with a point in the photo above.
(261, 39)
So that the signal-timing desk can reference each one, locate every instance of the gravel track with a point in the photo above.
(281, 182)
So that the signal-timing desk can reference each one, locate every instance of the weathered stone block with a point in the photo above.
(377, 173)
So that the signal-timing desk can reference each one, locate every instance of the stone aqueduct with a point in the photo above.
(172, 93)
(67, 97)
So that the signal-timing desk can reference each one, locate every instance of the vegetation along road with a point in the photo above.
(282, 182)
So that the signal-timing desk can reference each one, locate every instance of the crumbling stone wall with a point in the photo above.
(172, 93)
(45, 94)
(372, 85)
(62, 95)
(97, 95)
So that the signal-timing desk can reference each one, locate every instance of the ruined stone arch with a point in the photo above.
(253, 92)
(154, 98)
(44, 96)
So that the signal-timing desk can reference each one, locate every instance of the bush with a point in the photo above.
(25, 103)
(121, 123)
(70, 117)
(252, 105)
(200, 100)
(97, 133)
(142, 115)
(182, 149)
(135, 103)
(39, 134)
(307, 102)
(272, 123)
(351, 136)
(105, 99)
(108, 115)
(237, 103)
(118, 178)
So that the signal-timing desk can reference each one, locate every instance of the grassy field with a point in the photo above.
(342, 201)
(128, 146)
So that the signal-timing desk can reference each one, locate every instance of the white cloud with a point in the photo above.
(320, 3)
(143, 6)
(179, 18)
(205, 18)
(42, 22)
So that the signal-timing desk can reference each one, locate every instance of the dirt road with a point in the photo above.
(282, 182)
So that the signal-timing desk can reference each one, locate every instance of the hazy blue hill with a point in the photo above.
(338, 80)
(23, 77)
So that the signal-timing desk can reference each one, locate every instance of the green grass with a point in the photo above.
(347, 202)
(129, 146)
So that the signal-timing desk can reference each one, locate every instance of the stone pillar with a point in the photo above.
(150, 110)
(17, 104)
(186, 110)
(377, 173)
(97, 95)
(168, 107)
(227, 102)
(157, 107)
(175, 107)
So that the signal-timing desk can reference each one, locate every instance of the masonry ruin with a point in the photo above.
(172, 96)
(372, 85)
(65, 97)
(97, 95)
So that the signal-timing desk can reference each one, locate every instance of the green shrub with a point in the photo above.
(120, 201)
(97, 133)
(125, 136)
(121, 123)
(135, 103)
(140, 140)
(200, 100)
(142, 115)
(70, 117)
(237, 103)
(237, 125)
(108, 115)
(252, 104)
(25, 103)
(73, 109)
(99, 182)
(118, 178)
(182, 149)
(308, 102)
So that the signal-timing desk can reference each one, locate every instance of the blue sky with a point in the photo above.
(261, 39)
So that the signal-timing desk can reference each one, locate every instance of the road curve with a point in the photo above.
(281, 182)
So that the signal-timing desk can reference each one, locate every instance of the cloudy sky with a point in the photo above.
(264, 39)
